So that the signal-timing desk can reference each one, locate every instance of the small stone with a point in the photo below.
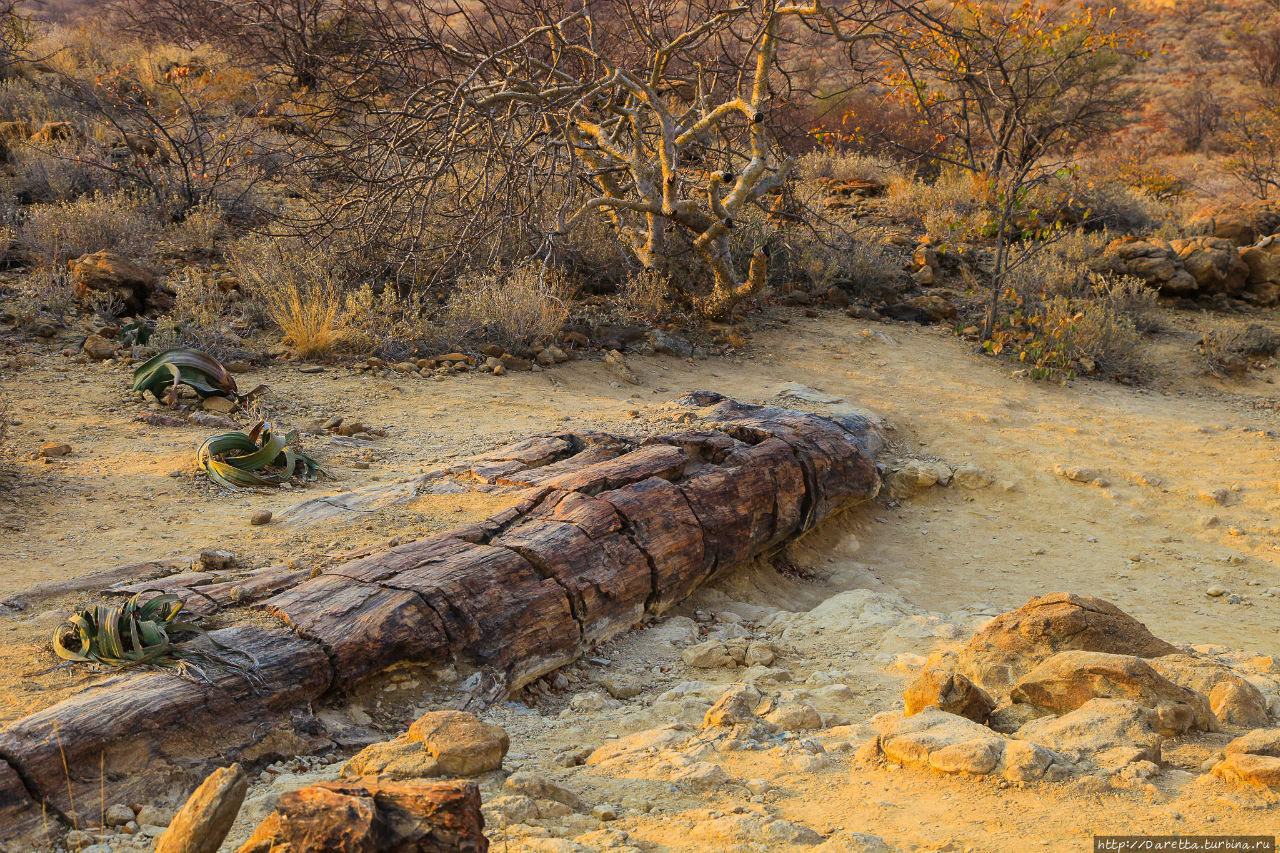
(759, 654)
(98, 348)
(1215, 591)
(605, 811)
(971, 477)
(218, 404)
(54, 450)
(153, 816)
(118, 815)
(214, 560)
(261, 517)
(709, 655)
(541, 788)
(588, 701)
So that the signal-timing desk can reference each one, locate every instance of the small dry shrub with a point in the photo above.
(849, 165)
(299, 291)
(45, 291)
(200, 229)
(1098, 337)
(56, 233)
(953, 207)
(57, 173)
(1129, 296)
(527, 304)
(1225, 348)
(863, 261)
(646, 293)
(1063, 338)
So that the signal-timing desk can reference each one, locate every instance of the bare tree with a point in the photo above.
(1260, 48)
(178, 137)
(475, 123)
(1011, 90)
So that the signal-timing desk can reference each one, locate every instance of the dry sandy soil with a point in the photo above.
(1184, 497)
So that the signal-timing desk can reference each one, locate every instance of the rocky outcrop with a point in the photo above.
(602, 532)
(954, 745)
(1255, 758)
(112, 273)
(1014, 643)
(1111, 732)
(1240, 225)
(1234, 701)
(1197, 266)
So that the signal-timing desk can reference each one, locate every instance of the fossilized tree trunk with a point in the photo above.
(603, 533)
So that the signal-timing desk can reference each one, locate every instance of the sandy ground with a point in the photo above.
(1183, 496)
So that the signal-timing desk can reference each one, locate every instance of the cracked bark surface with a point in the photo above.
(604, 532)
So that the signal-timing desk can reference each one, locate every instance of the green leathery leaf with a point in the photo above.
(237, 459)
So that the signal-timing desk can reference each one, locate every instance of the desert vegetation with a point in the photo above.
(388, 179)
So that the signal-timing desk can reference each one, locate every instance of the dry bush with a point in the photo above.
(850, 165)
(1098, 337)
(57, 173)
(1128, 296)
(951, 207)
(298, 289)
(1225, 348)
(1194, 114)
(45, 291)
(863, 262)
(199, 230)
(529, 304)
(646, 294)
(56, 233)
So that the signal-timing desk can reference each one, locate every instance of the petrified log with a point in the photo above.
(601, 533)
(148, 734)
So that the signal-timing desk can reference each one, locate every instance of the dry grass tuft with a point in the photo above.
(298, 290)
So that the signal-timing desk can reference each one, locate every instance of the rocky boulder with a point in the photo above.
(1263, 261)
(1241, 225)
(369, 814)
(1214, 263)
(954, 745)
(736, 707)
(113, 273)
(1234, 701)
(1110, 732)
(1069, 679)
(206, 818)
(1154, 261)
(98, 348)
(440, 743)
(1015, 642)
(1254, 757)
(948, 691)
